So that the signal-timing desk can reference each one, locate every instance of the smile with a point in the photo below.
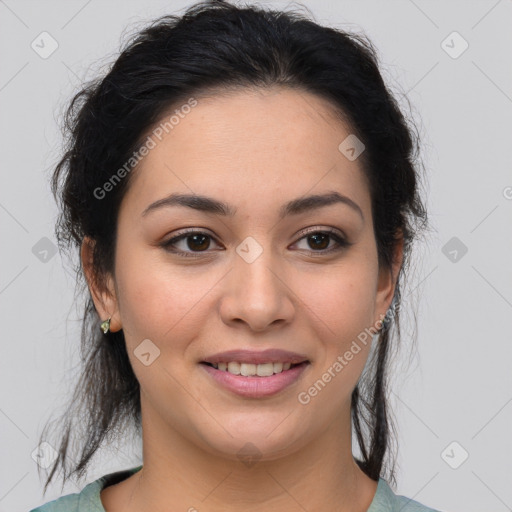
(250, 369)
(255, 380)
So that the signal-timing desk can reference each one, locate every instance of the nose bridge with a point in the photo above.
(254, 266)
(255, 294)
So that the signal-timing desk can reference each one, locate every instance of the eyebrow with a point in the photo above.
(294, 207)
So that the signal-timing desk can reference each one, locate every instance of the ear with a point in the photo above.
(101, 287)
(387, 281)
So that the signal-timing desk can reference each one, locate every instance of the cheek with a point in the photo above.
(145, 295)
(340, 308)
(342, 297)
(159, 301)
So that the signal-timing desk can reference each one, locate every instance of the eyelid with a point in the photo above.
(341, 241)
(167, 245)
(339, 237)
(316, 229)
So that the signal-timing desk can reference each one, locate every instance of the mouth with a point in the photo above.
(254, 370)
(255, 380)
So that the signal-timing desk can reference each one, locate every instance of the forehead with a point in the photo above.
(248, 144)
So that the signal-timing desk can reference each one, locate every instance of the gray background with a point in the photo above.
(458, 384)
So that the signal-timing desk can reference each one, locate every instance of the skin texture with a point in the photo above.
(255, 150)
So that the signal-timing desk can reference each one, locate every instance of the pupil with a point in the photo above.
(197, 246)
(318, 246)
(319, 241)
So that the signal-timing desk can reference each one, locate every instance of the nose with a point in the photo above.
(257, 294)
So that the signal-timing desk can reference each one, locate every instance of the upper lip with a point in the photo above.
(273, 355)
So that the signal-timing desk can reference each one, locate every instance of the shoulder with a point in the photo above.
(78, 502)
(68, 503)
(386, 500)
(88, 500)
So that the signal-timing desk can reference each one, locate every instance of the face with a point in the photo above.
(250, 279)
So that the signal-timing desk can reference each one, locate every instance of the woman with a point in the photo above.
(242, 188)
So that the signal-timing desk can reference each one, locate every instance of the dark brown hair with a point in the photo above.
(216, 45)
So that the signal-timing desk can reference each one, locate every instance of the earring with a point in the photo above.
(386, 321)
(105, 326)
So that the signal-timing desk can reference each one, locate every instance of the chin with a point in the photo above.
(253, 443)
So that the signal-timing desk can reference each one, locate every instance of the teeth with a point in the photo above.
(234, 368)
(249, 369)
(264, 370)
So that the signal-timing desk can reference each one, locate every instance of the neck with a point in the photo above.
(320, 475)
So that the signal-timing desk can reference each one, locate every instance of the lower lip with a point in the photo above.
(256, 387)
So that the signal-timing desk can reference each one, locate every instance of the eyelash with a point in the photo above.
(341, 242)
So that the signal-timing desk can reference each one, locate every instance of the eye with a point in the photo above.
(320, 241)
(196, 241)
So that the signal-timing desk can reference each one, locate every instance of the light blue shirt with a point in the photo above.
(88, 500)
